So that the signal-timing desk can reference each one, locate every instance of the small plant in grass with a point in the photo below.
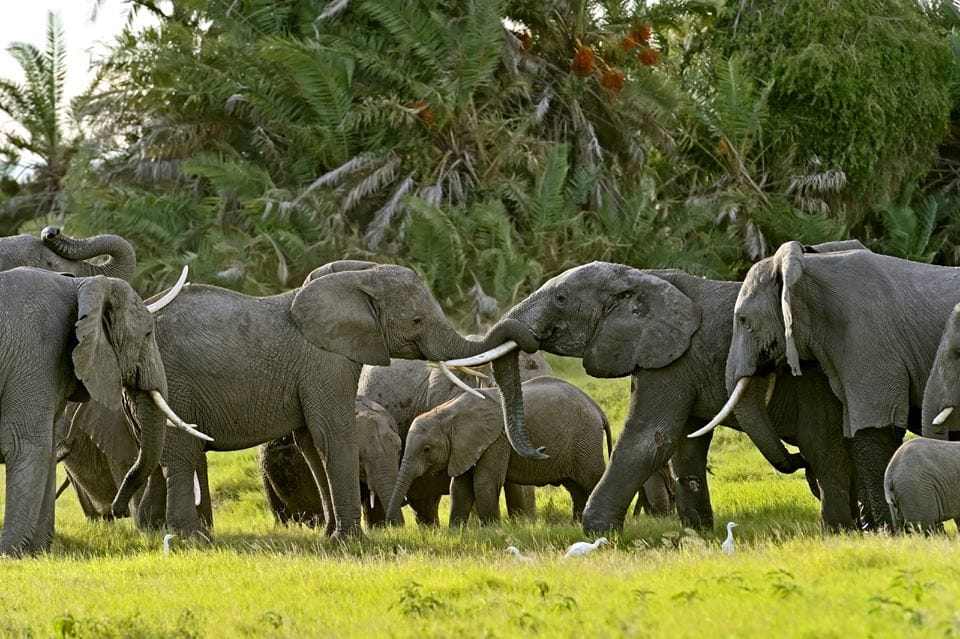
(414, 603)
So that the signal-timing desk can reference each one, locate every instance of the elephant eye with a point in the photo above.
(426, 449)
(744, 323)
(417, 320)
(561, 298)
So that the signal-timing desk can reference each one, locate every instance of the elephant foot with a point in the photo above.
(593, 524)
(194, 531)
(345, 535)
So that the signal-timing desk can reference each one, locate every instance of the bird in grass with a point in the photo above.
(584, 547)
(166, 542)
(516, 553)
(727, 545)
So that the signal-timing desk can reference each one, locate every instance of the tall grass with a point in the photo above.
(788, 578)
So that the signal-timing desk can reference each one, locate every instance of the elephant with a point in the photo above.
(941, 395)
(252, 369)
(407, 388)
(921, 484)
(658, 495)
(55, 252)
(871, 322)
(465, 438)
(670, 331)
(291, 491)
(68, 338)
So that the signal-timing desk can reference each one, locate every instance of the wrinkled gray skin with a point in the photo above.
(658, 495)
(464, 438)
(943, 384)
(55, 252)
(291, 492)
(922, 484)
(407, 388)
(873, 324)
(670, 332)
(250, 370)
(69, 338)
(96, 451)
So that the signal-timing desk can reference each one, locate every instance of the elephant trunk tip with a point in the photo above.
(49, 231)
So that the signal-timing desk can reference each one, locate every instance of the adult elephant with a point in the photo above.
(670, 331)
(252, 369)
(873, 324)
(70, 338)
(408, 388)
(941, 395)
(54, 251)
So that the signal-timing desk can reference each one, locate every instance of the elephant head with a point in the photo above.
(372, 312)
(57, 252)
(450, 438)
(941, 396)
(117, 363)
(380, 447)
(616, 318)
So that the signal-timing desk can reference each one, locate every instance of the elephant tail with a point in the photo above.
(606, 430)
(896, 515)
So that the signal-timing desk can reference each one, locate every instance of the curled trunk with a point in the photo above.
(754, 419)
(122, 262)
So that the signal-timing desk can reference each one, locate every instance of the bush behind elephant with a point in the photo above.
(464, 437)
(291, 490)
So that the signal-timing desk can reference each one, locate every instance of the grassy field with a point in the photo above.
(787, 578)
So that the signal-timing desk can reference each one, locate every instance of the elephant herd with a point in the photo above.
(333, 381)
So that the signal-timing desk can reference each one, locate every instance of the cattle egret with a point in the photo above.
(166, 542)
(727, 545)
(584, 547)
(516, 553)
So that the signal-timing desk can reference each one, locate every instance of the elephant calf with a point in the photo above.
(292, 491)
(922, 484)
(465, 437)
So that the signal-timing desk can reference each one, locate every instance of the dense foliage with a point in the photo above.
(492, 144)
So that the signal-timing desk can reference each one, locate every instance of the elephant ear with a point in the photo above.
(835, 247)
(473, 433)
(108, 430)
(338, 266)
(647, 322)
(94, 359)
(336, 312)
(789, 263)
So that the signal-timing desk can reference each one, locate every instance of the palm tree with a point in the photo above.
(38, 142)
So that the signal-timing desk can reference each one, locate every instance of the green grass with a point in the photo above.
(787, 578)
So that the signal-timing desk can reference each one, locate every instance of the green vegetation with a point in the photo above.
(107, 579)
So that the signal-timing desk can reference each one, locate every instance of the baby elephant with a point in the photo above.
(465, 436)
(292, 492)
(922, 484)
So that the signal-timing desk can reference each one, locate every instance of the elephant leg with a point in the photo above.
(311, 454)
(274, 503)
(426, 510)
(578, 495)
(205, 508)
(28, 452)
(333, 426)
(43, 537)
(521, 501)
(180, 458)
(461, 499)
(872, 449)
(489, 477)
(693, 492)
(151, 513)
(659, 405)
(658, 493)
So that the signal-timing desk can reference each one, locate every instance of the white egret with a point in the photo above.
(727, 545)
(166, 542)
(584, 547)
(516, 553)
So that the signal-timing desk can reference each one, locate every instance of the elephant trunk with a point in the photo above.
(409, 471)
(122, 262)
(150, 421)
(506, 371)
(754, 419)
(381, 483)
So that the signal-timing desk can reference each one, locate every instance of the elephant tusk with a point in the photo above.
(196, 489)
(726, 410)
(459, 382)
(771, 385)
(371, 499)
(483, 358)
(942, 415)
(173, 419)
(154, 307)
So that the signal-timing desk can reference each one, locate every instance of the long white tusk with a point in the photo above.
(372, 496)
(483, 358)
(196, 489)
(153, 307)
(173, 419)
(726, 410)
(459, 382)
(771, 385)
(942, 416)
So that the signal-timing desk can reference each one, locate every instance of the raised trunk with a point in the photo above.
(754, 419)
(122, 262)
(151, 424)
